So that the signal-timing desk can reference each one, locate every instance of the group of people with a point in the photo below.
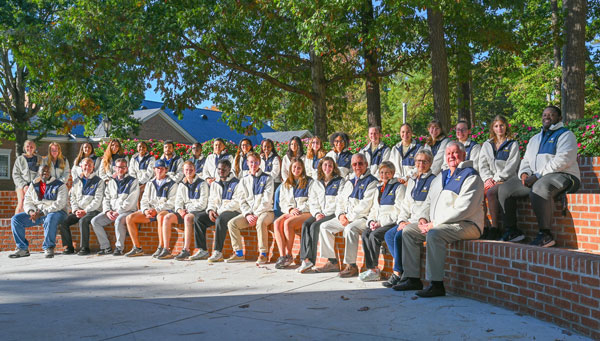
(406, 194)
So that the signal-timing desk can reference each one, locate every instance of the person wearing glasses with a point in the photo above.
(463, 135)
(340, 152)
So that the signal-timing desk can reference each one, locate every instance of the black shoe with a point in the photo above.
(84, 251)
(490, 233)
(393, 280)
(409, 284)
(68, 251)
(432, 291)
(543, 239)
(106, 251)
(118, 252)
(512, 235)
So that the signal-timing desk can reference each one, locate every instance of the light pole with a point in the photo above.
(107, 122)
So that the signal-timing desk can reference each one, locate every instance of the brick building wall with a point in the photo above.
(157, 128)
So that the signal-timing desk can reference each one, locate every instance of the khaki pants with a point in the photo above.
(238, 223)
(352, 234)
(437, 240)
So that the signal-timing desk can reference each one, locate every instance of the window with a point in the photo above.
(4, 163)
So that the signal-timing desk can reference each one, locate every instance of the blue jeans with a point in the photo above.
(393, 239)
(276, 208)
(50, 222)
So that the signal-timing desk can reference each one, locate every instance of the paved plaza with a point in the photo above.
(101, 298)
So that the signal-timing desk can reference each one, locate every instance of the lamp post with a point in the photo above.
(107, 122)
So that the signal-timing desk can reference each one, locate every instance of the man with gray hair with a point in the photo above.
(353, 206)
(456, 214)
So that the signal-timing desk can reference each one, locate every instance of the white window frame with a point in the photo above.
(6, 152)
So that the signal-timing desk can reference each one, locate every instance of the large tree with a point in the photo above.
(573, 72)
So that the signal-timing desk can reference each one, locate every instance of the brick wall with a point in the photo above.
(157, 127)
(590, 174)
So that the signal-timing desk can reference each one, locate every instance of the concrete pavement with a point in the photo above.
(107, 297)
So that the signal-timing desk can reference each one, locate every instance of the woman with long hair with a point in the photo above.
(113, 152)
(294, 204)
(403, 154)
(270, 162)
(59, 166)
(85, 150)
(436, 143)
(340, 153)
(295, 150)
(313, 156)
(25, 171)
(240, 166)
(322, 199)
(498, 162)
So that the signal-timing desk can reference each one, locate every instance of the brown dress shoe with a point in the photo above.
(349, 271)
(328, 267)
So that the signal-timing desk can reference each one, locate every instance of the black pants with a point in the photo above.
(84, 229)
(372, 241)
(201, 223)
(221, 228)
(310, 237)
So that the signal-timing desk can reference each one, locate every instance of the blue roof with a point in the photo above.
(205, 124)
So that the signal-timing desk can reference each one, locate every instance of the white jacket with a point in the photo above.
(374, 159)
(404, 164)
(385, 210)
(192, 196)
(61, 174)
(553, 156)
(473, 150)
(76, 169)
(356, 203)
(106, 175)
(293, 197)
(159, 197)
(285, 166)
(174, 167)
(499, 165)
(460, 200)
(415, 204)
(22, 174)
(439, 153)
(308, 165)
(142, 167)
(343, 161)
(55, 197)
(198, 164)
(210, 166)
(272, 166)
(256, 194)
(87, 197)
(121, 195)
(225, 195)
(323, 198)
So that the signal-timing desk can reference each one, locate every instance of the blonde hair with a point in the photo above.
(60, 158)
(502, 119)
(108, 154)
(320, 153)
(302, 181)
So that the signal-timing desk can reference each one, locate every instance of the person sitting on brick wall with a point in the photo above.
(414, 209)
(456, 214)
(45, 203)
(382, 217)
(120, 200)
(86, 201)
(358, 195)
(322, 200)
(548, 168)
(190, 202)
(223, 205)
(219, 153)
(256, 204)
(158, 200)
(25, 170)
(197, 158)
(375, 151)
(173, 161)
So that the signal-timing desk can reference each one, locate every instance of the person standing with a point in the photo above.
(25, 170)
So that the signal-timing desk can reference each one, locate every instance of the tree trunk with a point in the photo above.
(371, 68)
(556, 47)
(439, 67)
(319, 90)
(463, 73)
(20, 138)
(573, 71)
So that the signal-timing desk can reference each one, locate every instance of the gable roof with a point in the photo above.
(206, 124)
(284, 136)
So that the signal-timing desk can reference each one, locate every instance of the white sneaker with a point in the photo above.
(305, 266)
(200, 254)
(216, 257)
(370, 275)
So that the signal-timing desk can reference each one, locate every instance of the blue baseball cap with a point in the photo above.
(160, 163)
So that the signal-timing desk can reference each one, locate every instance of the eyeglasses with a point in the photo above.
(357, 163)
(421, 161)
(121, 167)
